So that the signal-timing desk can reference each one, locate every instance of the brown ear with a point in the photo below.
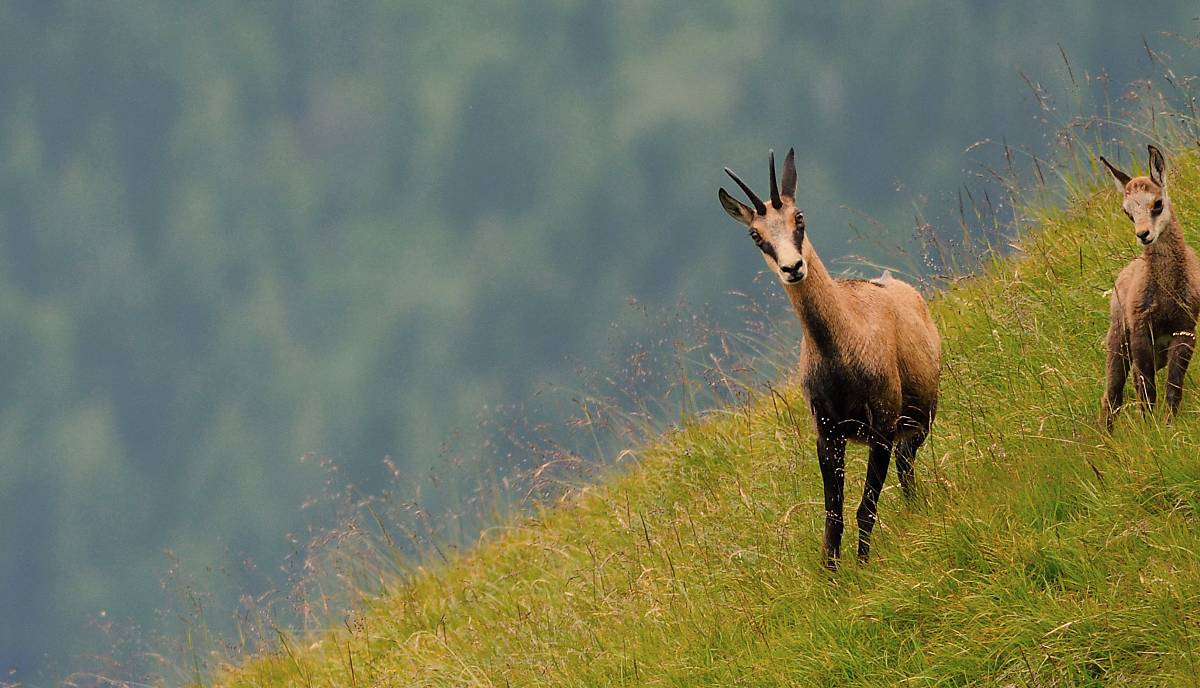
(736, 209)
(1158, 166)
(1119, 177)
(789, 175)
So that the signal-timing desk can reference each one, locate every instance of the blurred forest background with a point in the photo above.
(233, 234)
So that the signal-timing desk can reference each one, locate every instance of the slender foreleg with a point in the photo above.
(831, 453)
(1117, 370)
(1141, 351)
(877, 466)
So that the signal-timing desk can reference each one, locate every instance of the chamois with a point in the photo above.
(1152, 314)
(870, 357)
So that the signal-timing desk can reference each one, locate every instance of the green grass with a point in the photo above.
(1041, 553)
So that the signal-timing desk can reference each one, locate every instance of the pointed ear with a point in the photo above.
(736, 209)
(1119, 177)
(1158, 166)
(789, 175)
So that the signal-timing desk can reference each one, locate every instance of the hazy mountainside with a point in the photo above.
(1042, 552)
(234, 234)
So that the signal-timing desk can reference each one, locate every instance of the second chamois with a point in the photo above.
(1152, 314)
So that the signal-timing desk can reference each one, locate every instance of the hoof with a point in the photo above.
(864, 555)
(830, 562)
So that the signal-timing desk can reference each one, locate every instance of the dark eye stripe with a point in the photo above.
(763, 245)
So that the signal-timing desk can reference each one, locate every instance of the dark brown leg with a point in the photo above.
(906, 453)
(1141, 349)
(1118, 370)
(831, 452)
(877, 466)
(1178, 357)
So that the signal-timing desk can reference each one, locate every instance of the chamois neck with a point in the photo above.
(1170, 243)
(817, 300)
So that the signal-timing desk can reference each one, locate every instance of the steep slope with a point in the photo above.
(1043, 552)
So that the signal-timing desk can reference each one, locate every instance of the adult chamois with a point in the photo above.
(870, 358)
(1152, 314)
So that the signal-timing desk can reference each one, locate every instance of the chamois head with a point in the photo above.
(1145, 198)
(777, 227)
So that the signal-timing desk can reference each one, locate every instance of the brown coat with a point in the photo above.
(1152, 322)
(1156, 298)
(870, 359)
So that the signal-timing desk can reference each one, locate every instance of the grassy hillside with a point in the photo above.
(1043, 552)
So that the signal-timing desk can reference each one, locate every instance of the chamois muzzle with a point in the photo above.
(795, 272)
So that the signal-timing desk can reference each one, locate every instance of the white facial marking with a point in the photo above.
(1147, 226)
(787, 254)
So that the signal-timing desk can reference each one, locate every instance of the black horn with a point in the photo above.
(776, 201)
(789, 174)
(758, 204)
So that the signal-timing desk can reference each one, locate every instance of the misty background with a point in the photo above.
(233, 235)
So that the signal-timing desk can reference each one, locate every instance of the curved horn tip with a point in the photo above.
(776, 201)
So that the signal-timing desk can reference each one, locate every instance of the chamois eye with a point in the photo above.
(1127, 213)
(762, 244)
(1157, 207)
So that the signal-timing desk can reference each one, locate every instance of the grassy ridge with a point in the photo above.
(1042, 553)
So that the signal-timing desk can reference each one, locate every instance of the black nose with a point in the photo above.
(792, 269)
(1143, 235)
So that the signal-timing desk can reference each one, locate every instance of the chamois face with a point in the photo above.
(776, 227)
(1144, 199)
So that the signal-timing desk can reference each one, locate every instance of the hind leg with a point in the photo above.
(906, 453)
(1178, 357)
